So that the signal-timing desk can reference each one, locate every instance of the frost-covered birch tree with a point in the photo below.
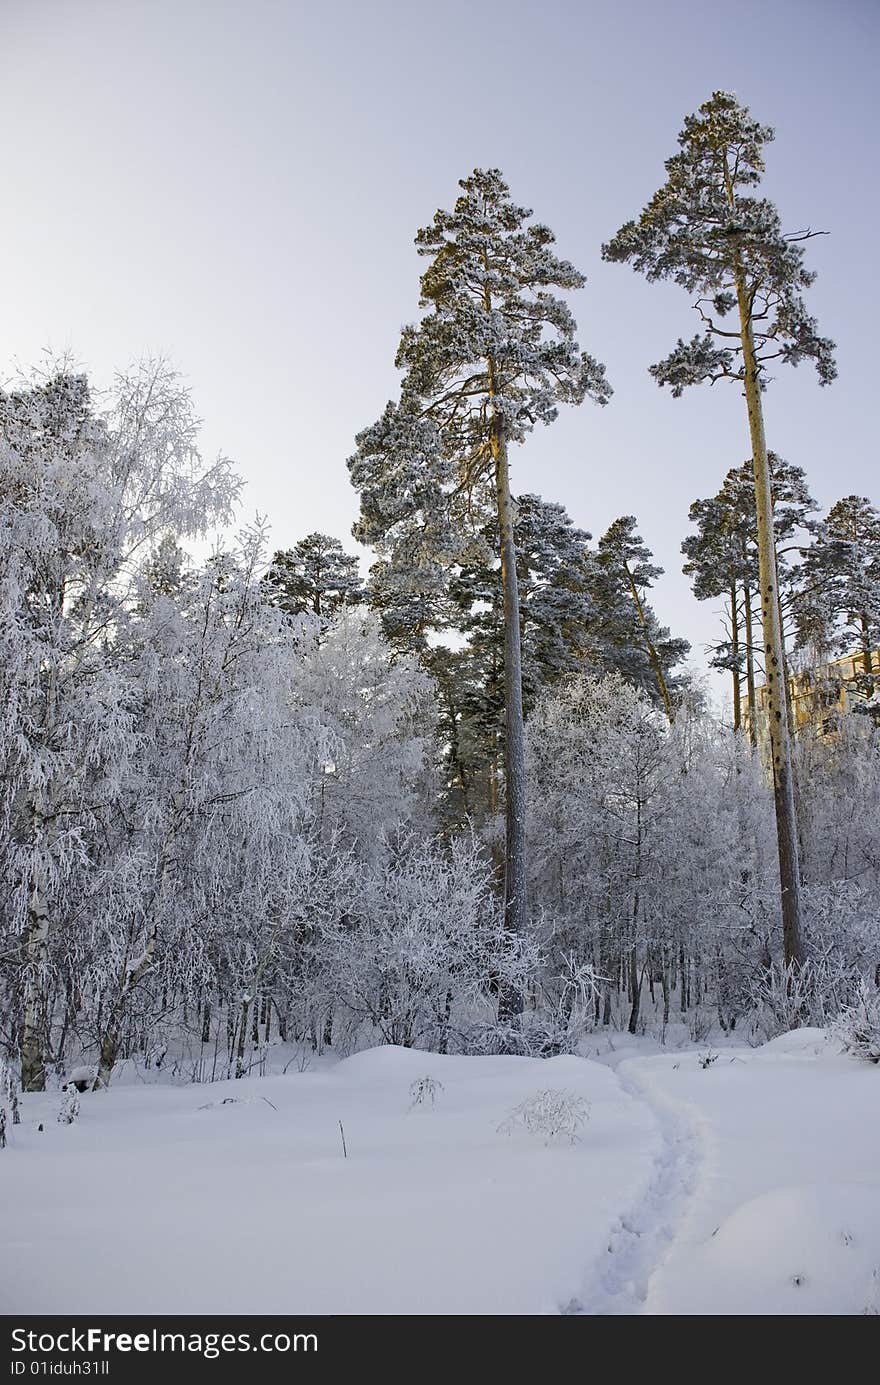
(214, 837)
(83, 497)
(706, 230)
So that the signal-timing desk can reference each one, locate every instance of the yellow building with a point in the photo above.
(820, 696)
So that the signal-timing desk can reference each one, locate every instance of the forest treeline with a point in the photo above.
(471, 801)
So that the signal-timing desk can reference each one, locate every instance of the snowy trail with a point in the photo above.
(763, 1196)
(618, 1284)
(746, 1186)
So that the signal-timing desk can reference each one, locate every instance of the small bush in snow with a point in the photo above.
(528, 1035)
(551, 1113)
(858, 1026)
(69, 1108)
(787, 998)
(424, 1090)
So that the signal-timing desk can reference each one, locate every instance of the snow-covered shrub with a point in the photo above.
(413, 954)
(648, 850)
(543, 1032)
(68, 1111)
(788, 998)
(552, 1113)
(565, 1003)
(858, 1026)
(423, 1090)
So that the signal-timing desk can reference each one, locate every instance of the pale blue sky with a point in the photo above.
(238, 185)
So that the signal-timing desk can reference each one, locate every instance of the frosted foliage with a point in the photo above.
(705, 229)
(68, 1111)
(647, 841)
(858, 1026)
(191, 771)
(493, 354)
(424, 1091)
(412, 953)
(219, 811)
(374, 722)
(552, 1115)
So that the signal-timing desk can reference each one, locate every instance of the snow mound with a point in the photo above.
(390, 1061)
(265, 1211)
(801, 1043)
(813, 1249)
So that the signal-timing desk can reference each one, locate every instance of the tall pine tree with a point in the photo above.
(707, 231)
(494, 354)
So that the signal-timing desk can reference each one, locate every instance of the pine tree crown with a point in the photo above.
(706, 230)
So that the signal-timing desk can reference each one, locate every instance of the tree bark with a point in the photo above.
(514, 733)
(112, 1035)
(650, 646)
(33, 1042)
(514, 739)
(866, 645)
(33, 1030)
(635, 979)
(774, 653)
(734, 644)
(750, 666)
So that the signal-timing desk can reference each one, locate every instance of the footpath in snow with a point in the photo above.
(751, 1185)
(778, 1152)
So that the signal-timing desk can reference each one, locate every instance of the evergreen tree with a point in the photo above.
(714, 563)
(314, 576)
(577, 613)
(705, 230)
(494, 354)
(635, 642)
(553, 564)
(840, 595)
(723, 561)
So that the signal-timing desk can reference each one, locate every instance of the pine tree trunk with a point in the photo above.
(635, 979)
(750, 666)
(734, 644)
(866, 646)
(774, 654)
(653, 656)
(514, 740)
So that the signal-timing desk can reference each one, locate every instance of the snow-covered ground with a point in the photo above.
(748, 1186)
